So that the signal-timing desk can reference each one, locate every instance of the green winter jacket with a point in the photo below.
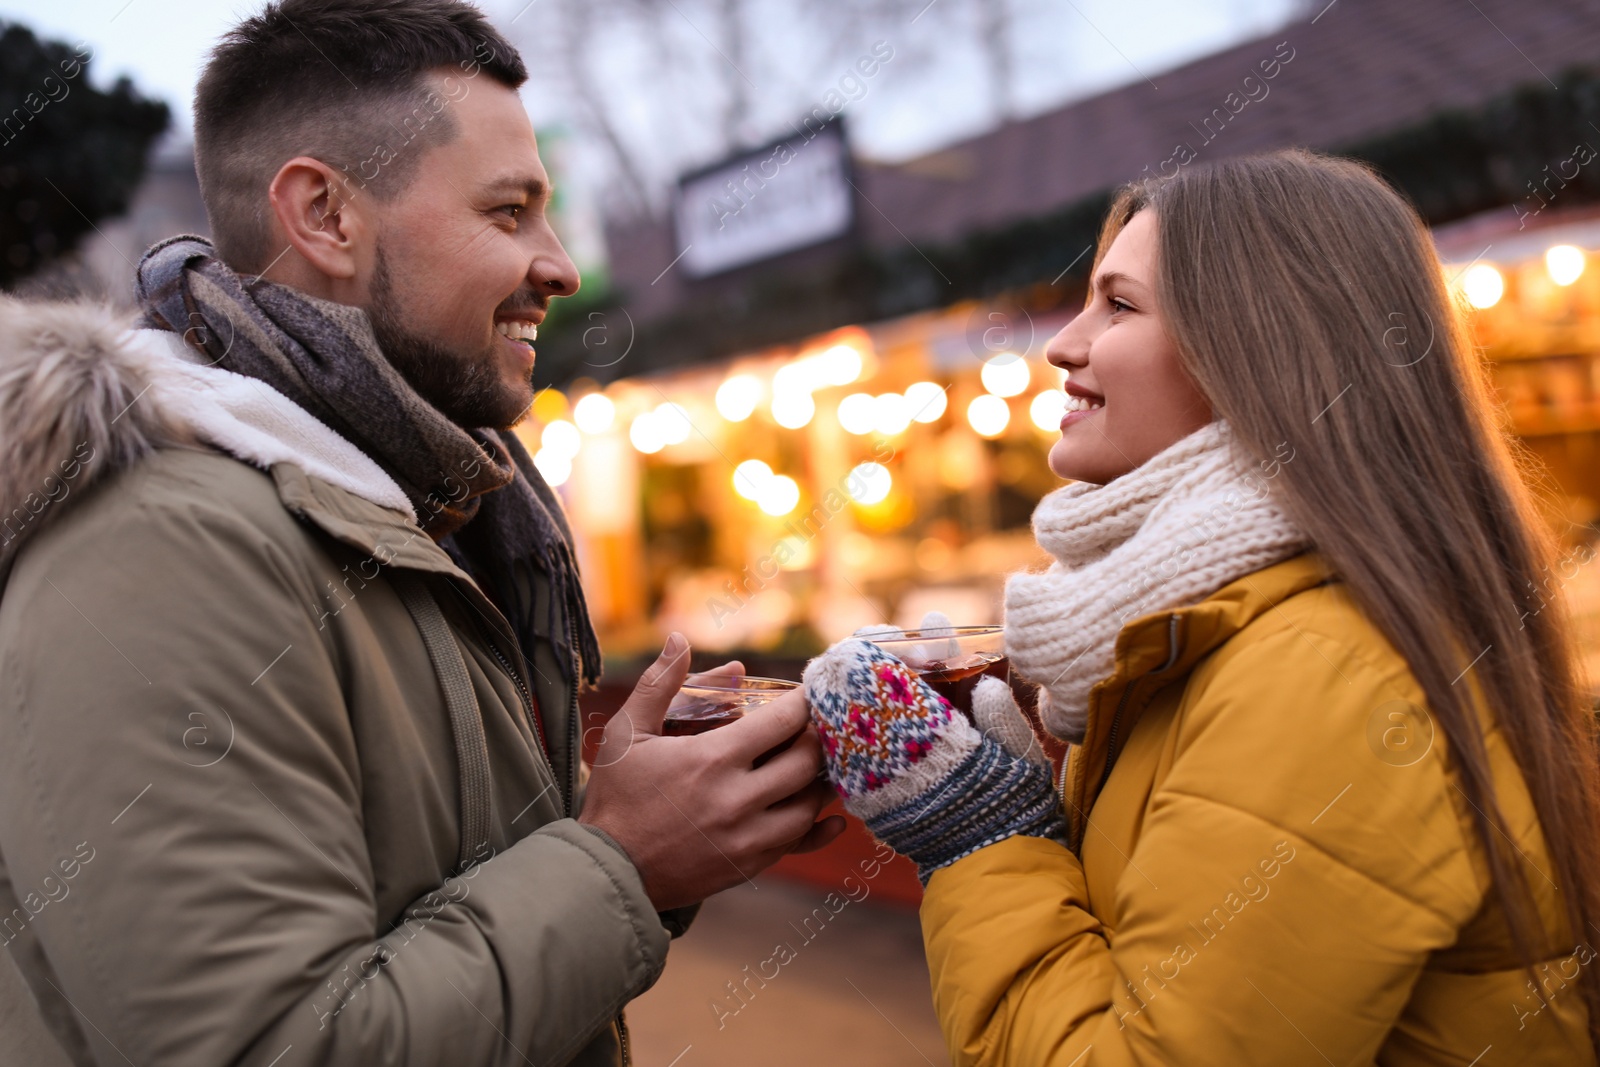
(231, 786)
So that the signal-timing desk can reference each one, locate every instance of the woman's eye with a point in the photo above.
(1119, 305)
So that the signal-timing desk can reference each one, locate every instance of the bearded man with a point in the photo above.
(291, 633)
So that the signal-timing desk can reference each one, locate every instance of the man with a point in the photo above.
(291, 632)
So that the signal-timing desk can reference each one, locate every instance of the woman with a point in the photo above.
(1332, 788)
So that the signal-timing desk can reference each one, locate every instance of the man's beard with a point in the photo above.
(465, 386)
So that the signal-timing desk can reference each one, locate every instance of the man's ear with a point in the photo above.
(316, 213)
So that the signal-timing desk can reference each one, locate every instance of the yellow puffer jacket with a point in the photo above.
(1277, 867)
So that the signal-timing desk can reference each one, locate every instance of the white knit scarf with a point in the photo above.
(1167, 534)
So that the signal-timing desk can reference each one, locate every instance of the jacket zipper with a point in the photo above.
(565, 782)
(538, 728)
(1111, 736)
(1112, 751)
(622, 1031)
(574, 746)
(527, 700)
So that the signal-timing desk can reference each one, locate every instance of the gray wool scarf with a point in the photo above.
(476, 491)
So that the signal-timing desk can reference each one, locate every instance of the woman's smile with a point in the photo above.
(1081, 403)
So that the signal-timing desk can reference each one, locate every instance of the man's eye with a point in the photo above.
(513, 211)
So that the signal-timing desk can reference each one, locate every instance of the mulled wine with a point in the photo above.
(700, 708)
(701, 721)
(955, 679)
(951, 659)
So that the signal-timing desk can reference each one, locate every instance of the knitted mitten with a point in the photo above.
(995, 709)
(913, 769)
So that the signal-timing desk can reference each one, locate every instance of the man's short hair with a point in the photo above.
(341, 81)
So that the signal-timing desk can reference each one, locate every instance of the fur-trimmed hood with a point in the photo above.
(84, 394)
(189, 608)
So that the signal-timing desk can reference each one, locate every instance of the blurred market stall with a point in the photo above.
(1533, 292)
(778, 500)
(814, 396)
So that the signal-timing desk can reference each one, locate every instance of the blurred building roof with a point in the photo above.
(1364, 67)
(1355, 69)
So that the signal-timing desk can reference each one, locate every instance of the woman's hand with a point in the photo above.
(924, 781)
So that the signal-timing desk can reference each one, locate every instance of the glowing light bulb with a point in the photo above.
(549, 405)
(594, 413)
(1564, 264)
(926, 401)
(1047, 409)
(869, 483)
(750, 477)
(556, 467)
(1483, 285)
(560, 438)
(1006, 374)
(889, 414)
(801, 376)
(673, 423)
(779, 496)
(738, 396)
(792, 407)
(840, 365)
(646, 435)
(989, 415)
(856, 413)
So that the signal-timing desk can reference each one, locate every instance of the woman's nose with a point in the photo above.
(1065, 349)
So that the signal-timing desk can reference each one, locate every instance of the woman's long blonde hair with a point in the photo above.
(1306, 300)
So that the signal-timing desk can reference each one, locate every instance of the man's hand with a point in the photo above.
(696, 814)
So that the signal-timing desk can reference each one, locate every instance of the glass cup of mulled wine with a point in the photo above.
(716, 700)
(951, 659)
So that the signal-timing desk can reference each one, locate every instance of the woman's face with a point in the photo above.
(1132, 397)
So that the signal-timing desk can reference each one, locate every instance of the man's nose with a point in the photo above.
(552, 271)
